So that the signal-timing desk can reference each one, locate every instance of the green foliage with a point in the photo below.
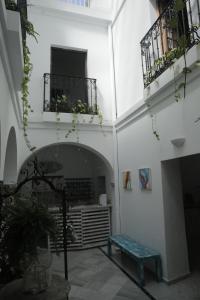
(153, 124)
(26, 224)
(11, 5)
(26, 79)
(79, 108)
(25, 92)
(29, 29)
(173, 22)
(179, 5)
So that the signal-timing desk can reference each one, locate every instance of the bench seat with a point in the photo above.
(138, 252)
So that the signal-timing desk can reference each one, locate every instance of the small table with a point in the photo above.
(58, 290)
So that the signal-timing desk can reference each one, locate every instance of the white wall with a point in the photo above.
(128, 31)
(116, 5)
(153, 11)
(7, 119)
(10, 49)
(141, 212)
(146, 216)
(4, 104)
(68, 32)
(101, 4)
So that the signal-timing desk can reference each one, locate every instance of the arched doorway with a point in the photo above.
(10, 166)
(87, 177)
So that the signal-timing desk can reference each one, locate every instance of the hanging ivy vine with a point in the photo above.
(29, 29)
(78, 110)
(183, 44)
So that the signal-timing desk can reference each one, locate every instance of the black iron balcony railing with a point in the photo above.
(178, 23)
(69, 94)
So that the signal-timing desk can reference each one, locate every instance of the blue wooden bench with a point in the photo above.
(138, 252)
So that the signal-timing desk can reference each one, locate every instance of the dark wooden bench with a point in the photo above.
(138, 252)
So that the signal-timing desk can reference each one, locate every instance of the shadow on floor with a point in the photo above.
(93, 276)
(186, 289)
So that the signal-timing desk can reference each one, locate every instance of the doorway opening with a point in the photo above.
(85, 177)
(68, 77)
(181, 195)
(190, 170)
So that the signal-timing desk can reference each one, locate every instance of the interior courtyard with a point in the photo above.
(99, 149)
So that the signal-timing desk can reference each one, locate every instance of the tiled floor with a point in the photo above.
(94, 277)
(187, 289)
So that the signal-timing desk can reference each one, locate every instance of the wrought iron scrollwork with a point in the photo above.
(72, 89)
(162, 38)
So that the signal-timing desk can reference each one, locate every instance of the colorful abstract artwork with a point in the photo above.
(145, 179)
(126, 180)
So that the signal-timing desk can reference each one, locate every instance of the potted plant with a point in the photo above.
(26, 225)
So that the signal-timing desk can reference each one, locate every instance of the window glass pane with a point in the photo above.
(78, 2)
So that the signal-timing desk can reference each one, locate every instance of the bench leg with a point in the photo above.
(109, 248)
(158, 268)
(141, 273)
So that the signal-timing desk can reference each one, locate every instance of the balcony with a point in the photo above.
(69, 94)
(176, 29)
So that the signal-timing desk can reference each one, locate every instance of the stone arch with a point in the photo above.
(10, 165)
(94, 151)
(99, 167)
(107, 173)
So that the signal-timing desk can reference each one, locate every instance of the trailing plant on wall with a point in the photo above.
(187, 38)
(25, 93)
(79, 109)
(184, 42)
(28, 28)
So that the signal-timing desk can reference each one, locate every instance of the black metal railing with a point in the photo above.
(69, 94)
(177, 28)
(21, 7)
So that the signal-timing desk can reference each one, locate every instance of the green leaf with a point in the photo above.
(173, 23)
(182, 42)
(179, 5)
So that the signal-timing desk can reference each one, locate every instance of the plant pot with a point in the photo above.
(37, 277)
